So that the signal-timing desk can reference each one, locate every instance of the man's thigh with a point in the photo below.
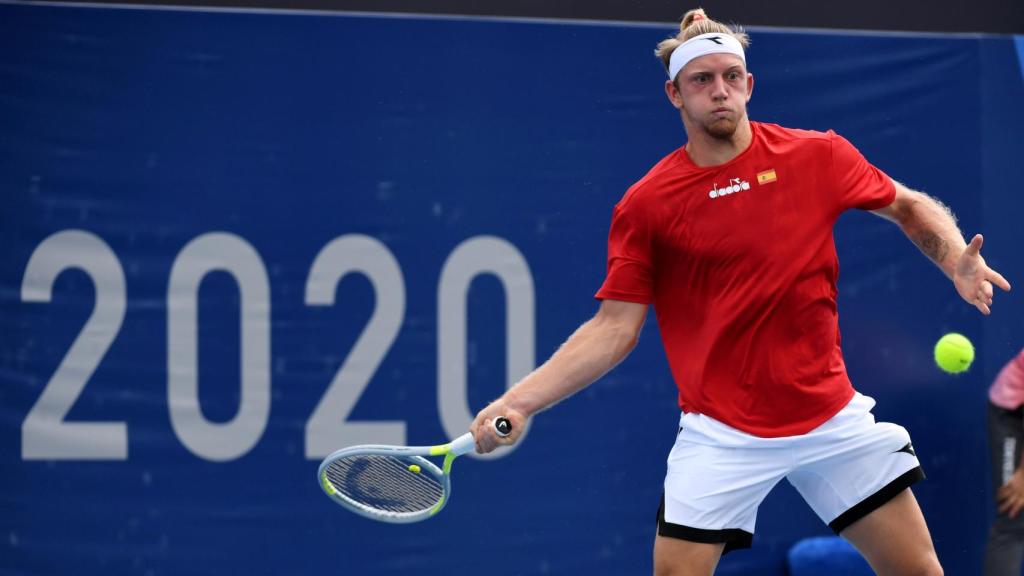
(894, 538)
(712, 493)
(674, 557)
(846, 477)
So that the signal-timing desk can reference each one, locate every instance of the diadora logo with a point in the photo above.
(735, 185)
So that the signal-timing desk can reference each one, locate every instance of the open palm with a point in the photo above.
(974, 280)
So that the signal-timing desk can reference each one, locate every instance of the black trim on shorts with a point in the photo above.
(876, 500)
(734, 538)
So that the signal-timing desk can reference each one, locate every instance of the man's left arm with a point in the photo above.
(931, 226)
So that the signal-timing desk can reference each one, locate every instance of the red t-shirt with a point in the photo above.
(740, 264)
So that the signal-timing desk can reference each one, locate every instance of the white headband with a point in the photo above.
(711, 43)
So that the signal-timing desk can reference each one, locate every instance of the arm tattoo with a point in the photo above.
(932, 245)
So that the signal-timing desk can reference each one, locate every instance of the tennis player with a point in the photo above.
(1004, 551)
(730, 238)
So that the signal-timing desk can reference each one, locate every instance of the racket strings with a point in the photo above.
(384, 483)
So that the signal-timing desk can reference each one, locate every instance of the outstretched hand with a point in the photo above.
(973, 278)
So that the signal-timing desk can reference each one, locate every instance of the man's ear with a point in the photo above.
(672, 92)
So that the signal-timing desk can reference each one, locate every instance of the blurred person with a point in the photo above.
(1005, 547)
(730, 238)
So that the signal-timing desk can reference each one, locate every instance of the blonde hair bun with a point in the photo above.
(696, 22)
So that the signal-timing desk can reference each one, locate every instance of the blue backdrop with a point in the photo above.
(231, 241)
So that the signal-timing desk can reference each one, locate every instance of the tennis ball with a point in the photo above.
(954, 353)
(414, 468)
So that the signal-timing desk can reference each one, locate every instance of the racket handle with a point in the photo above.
(502, 426)
(465, 443)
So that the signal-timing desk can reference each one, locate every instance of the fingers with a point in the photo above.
(974, 247)
(484, 441)
(1014, 508)
(1010, 500)
(983, 299)
(973, 250)
(986, 291)
(487, 438)
(1009, 505)
(997, 279)
(484, 434)
(982, 307)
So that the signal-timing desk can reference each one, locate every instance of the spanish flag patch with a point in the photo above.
(766, 176)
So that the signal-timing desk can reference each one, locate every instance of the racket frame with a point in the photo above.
(452, 450)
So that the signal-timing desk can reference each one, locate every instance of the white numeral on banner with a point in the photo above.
(205, 254)
(328, 430)
(480, 255)
(45, 434)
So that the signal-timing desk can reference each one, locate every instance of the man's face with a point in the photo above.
(712, 93)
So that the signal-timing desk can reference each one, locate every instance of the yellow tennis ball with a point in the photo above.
(954, 353)
(414, 468)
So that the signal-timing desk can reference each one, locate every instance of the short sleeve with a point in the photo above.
(630, 258)
(859, 184)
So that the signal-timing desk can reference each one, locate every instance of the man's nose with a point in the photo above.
(719, 89)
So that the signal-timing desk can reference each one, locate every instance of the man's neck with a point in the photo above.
(705, 150)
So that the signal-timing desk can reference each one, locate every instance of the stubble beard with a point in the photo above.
(721, 128)
(724, 128)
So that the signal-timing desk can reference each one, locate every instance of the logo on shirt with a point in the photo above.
(735, 185)
(908, 449)
(766, 176)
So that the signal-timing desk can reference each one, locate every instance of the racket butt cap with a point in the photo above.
(503, 427)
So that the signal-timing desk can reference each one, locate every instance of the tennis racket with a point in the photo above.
(395, 483)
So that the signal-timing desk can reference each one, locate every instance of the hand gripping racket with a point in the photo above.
(395, 483)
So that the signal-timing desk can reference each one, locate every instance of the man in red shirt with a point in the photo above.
(730, 238)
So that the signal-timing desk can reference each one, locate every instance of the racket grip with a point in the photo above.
(502, 426)
(463, 444)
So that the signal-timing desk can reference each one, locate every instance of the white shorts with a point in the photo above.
(845, 469)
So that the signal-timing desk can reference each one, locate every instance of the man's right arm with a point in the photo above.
(595, 348)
